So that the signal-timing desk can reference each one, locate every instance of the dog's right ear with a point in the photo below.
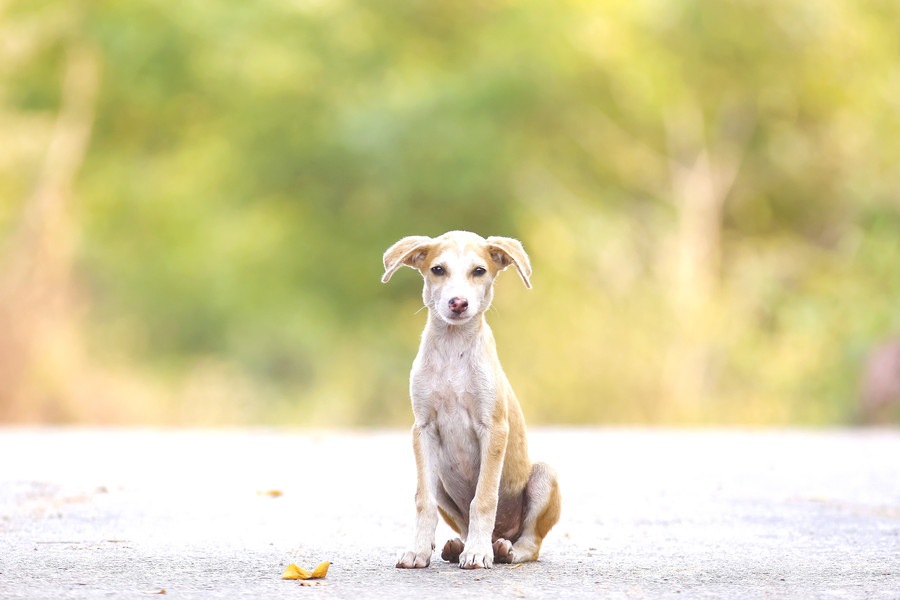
(410, 252)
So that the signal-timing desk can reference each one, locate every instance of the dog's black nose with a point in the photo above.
(459, 305)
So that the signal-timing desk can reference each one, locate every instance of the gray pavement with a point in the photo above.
(646, 514)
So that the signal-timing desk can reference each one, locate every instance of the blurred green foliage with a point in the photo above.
(250, 162)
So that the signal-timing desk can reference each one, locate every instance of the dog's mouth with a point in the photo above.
(455, 319)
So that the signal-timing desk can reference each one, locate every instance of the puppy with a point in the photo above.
(469, 441)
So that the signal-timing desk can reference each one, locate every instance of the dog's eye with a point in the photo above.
(479, 271)
(438, 270)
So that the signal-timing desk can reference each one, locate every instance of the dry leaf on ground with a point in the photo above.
(294, 572)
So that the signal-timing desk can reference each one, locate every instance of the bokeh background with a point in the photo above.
(195, 198)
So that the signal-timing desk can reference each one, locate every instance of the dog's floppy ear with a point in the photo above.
(410, 251)
(506, 251)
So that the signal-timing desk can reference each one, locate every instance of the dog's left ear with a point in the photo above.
(506, 251)
(410, 252)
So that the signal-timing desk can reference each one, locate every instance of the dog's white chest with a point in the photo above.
(454, 391)
(450, 382)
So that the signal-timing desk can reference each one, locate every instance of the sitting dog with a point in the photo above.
(469, 441)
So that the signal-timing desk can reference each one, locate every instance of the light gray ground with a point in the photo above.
(646, 513)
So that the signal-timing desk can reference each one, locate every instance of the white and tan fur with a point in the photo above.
(469, 434)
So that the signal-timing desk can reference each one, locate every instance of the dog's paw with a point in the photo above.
(414, 560)
(503, 551)
(477, 556)
(452, 549)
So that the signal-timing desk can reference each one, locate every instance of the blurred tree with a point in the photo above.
(40, 349)
(708, 192)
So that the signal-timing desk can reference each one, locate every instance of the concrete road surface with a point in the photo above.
(646, 514)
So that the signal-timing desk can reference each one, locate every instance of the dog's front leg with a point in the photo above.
(478, 552)
(425, 449)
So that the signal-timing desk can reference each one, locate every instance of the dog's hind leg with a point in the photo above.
(452, 549)
(455, 519)
(542, 507)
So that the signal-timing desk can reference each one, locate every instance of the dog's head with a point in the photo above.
(459, 270)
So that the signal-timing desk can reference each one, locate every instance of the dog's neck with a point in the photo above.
(444, 345)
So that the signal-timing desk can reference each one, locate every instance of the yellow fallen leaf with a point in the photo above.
(321, 571)
(294, 572)
(271, 493)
